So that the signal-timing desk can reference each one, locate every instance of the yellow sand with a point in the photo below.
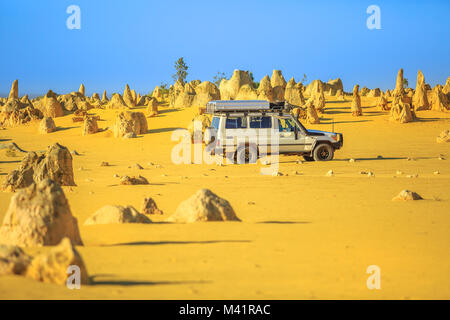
(306, 236)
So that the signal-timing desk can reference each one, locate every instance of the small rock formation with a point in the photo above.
(76, 101)
(229, 89)
(105, 99)
(185, 97)
(149, 207)
(47, 125)
(311, 113)
(388, 93)
(294, 93)
(278, 85)
(374, 93)
(130, 122)
(39, 216)
(332, 87)
(52, 267)
(364, 91)
(318, 96)
(176, 90)
(300, 112)
(54, 164)
(14, 93)
(146, 100)
(382, 103)
(11, 149)
(79, 115)
(13, 261)
(439, 101)
(152, 107)
(419, 99)
(95, 100)
(205, 123)
(26, 101)
(136, 166)
(134, 95)
(446, 89)
(126, 180)
(15, 112)
(400, 111)
(204, 206)
(128, 97)
(116, 214)
(247, 92)
(82, 90)
(143, 100)
(406, 195)
(399, 84)
(172, 96)
(264, 90)
(116, 102)
(205, 92)
(443, 137)
(90, 126)
(356, 102)
(50, 105)
(157, 94)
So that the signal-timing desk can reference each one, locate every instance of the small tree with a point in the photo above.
(250, 75)
(181, 68)
(164, 87)
(405, 83)
(218, 78)
(255, 84)
(304, 79)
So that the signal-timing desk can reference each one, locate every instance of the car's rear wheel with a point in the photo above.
(323, 152)
(247, 154)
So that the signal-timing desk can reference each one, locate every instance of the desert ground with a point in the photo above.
(303, 235)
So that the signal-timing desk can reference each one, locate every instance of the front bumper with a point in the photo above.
(340, 142)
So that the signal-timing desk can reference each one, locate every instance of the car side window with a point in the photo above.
(261, 122)
(236, 123)
(284, 125)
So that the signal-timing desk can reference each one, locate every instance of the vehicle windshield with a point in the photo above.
(299, 124)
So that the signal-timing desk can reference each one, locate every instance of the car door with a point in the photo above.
(291, 137)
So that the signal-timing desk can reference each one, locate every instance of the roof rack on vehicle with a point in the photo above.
(229, 106)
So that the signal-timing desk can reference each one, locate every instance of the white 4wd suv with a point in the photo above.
(246, 129)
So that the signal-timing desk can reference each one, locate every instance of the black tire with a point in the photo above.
(308, 158)
(323, 152)
(246, 154)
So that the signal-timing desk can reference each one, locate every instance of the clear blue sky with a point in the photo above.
(137, 42)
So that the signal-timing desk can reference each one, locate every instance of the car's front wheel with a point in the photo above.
(323, 152)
